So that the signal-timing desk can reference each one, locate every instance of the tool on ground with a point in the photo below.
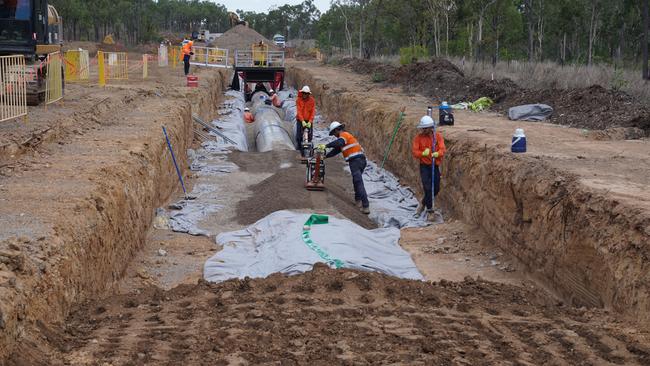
(178, 171)
(212, 129)
(315, 178)
(437, 216)
(307, 148)
(397, 127)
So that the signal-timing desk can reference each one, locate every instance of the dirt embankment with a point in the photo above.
(81, 209)
(590, 247)
(592, 108)
(328, 317)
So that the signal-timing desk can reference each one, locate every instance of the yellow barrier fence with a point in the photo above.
(13, 87)
(116, 65)
(77, 66)
(54, 79)
(101, 70)
(174, 53)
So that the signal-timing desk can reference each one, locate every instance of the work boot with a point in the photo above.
(431, 215)
(365, 210)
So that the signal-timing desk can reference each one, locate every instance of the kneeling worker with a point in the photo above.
(353, 154)
(424, 151)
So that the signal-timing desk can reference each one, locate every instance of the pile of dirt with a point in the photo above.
(593, 108)
(327, 317)
(241, 37)
(284, 190)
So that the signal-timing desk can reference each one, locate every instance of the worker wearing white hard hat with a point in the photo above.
(353, 153)
(305, 114)
(248, 116)
(428, 148)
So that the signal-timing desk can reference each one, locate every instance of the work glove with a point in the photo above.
(321, 147)
(308, 124)
(436, 155)
(426, 152)
(304, 124)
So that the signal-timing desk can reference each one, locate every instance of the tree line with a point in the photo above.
(565, 31)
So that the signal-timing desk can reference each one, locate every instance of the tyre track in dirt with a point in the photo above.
(345, 317)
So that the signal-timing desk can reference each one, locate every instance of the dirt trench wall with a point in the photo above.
(591, 249)
(86, 250)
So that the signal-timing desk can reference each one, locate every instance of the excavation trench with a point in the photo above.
(83, 219)
(589, 248)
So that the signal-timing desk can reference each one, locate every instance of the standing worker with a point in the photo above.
(187, 54)
(353, 154)
(306, 111)
(424, 151)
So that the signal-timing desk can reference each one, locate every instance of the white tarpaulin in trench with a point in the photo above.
(276, 244)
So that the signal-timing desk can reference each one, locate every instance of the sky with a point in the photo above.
(264, 5)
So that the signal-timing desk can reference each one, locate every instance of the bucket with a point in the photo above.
(192, 81)
(518, 141)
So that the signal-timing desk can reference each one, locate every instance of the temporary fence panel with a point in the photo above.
(174, 54)
(77, 65)
(116, 66)
(145, 66)
(211, 57)
(163, 56)
(13, 87)
(54, 78)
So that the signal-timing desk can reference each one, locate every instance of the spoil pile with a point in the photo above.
(593, 108)
(242, 37)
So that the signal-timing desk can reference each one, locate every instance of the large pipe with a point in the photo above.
(271, 133)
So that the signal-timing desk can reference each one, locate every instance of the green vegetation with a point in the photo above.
(413, 53)
(563, 31)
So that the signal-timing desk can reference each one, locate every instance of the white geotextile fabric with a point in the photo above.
(275, 244)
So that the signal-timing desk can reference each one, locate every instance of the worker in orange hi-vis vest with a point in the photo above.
(187, 54)
(353, 153)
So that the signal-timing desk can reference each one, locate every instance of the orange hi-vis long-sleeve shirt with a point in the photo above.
(422, 142)
(306, 109)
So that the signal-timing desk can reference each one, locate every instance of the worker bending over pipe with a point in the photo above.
(305, 113)
(353, 153)
(427, 155)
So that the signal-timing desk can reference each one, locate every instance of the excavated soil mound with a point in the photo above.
(593, 108)
(284, 190)
(242, 37)
(332, 317)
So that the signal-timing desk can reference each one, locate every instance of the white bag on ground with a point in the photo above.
(275, 244)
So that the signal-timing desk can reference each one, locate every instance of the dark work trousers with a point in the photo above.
(357, 166)
(186, 64)
(299, 131)
(425, 174)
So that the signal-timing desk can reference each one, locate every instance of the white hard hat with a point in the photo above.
(334, 125)
(305, 89)
(426, 122)
(271, 91)
(247, 109)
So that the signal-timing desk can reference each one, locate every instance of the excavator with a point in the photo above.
(34, 29)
